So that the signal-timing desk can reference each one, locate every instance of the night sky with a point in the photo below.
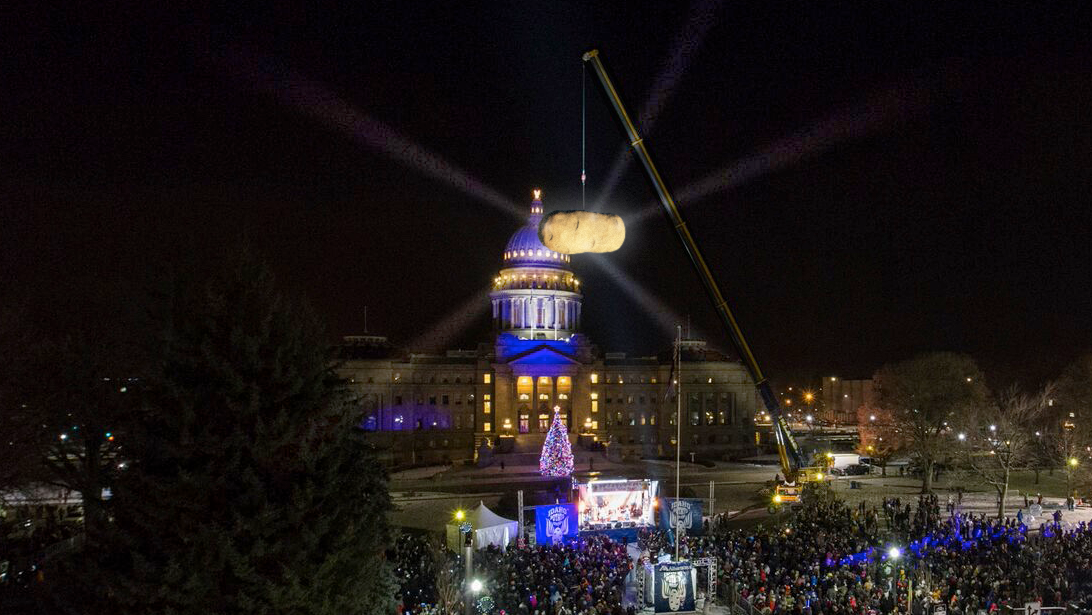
(905, 178)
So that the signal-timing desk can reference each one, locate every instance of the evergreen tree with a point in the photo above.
(557, 453)
(248, 489)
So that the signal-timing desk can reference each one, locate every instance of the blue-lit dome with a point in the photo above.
(524, 248)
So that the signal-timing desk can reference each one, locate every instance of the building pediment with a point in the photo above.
(542, 355)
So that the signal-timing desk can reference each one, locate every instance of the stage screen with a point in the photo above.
(612, 504)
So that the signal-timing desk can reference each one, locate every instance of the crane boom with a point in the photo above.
(788, 452)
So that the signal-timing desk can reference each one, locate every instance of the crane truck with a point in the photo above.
(792, 461)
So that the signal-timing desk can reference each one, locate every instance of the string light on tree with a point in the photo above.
(557, 453)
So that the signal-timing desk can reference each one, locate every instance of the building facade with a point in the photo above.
(842, 398)
(422, 408)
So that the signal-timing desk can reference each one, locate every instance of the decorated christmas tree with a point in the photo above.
(557, 453)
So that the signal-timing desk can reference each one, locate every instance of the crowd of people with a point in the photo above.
(586, 576)
(827, 558)
(583, 577)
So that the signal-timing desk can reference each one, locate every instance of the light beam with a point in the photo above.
(703, 16)
(320, 103)
(881, 111)
(453, 325)
(666, 317)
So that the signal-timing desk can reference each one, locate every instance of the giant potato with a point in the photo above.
(573, 232)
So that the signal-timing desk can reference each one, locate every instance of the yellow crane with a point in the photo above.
(792, 461)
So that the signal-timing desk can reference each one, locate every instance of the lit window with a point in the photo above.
(521, 253)
(620, 381)
(642, 419)
(595, 395)
(487, 378)
(652, 419)
(487, 426)
(544, 396)
(653, 381)
(595, 378)
(524, 397)
(538, 252)
(487, 406)
(595, 424)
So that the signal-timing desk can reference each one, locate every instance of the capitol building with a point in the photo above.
(500, 398)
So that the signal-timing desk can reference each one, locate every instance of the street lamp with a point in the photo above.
(459, 515)
(962, 437)
(476, 585)
(894, 553)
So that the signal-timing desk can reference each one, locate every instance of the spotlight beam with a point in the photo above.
(703, 16)
(320, 103)
(666, 317)
(880, 112)
(453, 324)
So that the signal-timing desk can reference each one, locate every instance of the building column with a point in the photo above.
(554, 402)
(533, 405)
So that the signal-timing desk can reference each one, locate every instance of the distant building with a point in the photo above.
(426, 407)
(841, 399)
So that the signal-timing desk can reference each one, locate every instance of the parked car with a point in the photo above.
(857, 469)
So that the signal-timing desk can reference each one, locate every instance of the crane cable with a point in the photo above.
(583, 131)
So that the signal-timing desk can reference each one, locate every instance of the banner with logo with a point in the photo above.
(682, 514)
(674, 589)
(554, 523)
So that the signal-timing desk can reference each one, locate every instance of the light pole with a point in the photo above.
(1071, 465)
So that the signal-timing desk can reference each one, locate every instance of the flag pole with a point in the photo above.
(678, 428)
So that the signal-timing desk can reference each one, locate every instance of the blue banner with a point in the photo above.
(674, 590)
(554, 523)
(686, 512)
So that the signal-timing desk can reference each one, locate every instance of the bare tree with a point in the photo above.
(924, 395)
(447, 583)
(1068, 434)
(998, 438)
(880, 438)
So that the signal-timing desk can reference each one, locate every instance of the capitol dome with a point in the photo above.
(535, 295)
(524, 248)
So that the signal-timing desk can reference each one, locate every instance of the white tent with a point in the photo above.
(487, 526)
